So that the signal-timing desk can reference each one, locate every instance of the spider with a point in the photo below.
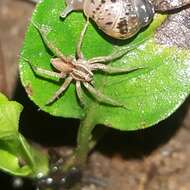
(79, 70)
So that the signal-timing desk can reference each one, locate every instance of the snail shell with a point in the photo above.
(120, 19)
(166, 5)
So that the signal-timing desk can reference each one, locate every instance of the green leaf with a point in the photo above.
(16, 156)
(151, 94)
(9, 164)
(9, 117)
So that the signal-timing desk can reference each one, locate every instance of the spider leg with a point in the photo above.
(43, 33)
(79, 45)
(42, 71)
(113, 70)
(79, 93)
(117, 53)
(61, 89)
(101, 97)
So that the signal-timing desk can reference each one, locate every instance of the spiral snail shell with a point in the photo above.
(120, 19)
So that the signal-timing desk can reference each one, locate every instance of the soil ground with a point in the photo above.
(153, 159)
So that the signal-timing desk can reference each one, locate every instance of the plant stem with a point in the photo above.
(83, 140)
(86, 141)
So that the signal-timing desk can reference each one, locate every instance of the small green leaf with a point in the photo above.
(9, 164)
(151, 94)
(9, 117)
(16, 156)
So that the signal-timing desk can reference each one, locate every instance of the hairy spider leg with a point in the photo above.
(49, 44)
(101, 97)
(113, 70)
(116, 54)
(63, 87)
(79, 53)
(42, 71)
(96, 94)
(66, 83)
(79, 93)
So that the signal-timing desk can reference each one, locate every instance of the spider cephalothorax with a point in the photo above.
(79, 70)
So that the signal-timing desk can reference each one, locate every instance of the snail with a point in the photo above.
(121, 19)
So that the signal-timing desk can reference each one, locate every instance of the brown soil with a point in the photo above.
(152, 159)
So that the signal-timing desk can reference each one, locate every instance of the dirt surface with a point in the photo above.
(153, 159)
